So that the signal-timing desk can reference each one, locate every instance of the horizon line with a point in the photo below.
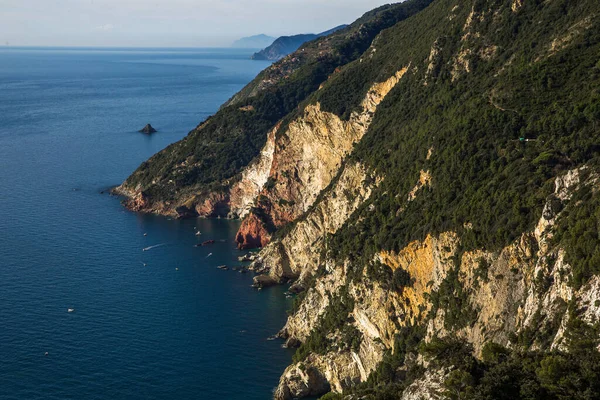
(9, 46)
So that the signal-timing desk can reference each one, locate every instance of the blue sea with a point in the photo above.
(158, 324)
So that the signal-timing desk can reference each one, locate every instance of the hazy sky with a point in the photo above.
(167, 22)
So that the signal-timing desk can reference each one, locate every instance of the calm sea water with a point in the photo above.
(177, 328)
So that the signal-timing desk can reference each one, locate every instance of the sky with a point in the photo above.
(167, 23)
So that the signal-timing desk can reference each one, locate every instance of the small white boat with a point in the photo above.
(145, 234)
(71, 310)
(198, 233)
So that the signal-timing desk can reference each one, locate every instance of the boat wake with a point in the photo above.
(153, 247)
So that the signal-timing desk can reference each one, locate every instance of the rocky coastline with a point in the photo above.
(425, 200)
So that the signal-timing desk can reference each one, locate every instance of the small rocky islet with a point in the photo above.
(148, 129)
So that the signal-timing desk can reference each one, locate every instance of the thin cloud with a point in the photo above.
(105, 27)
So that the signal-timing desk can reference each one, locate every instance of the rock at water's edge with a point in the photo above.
(252, 234)
(262, 281)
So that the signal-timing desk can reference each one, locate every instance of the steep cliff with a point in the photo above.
(297, 254)
(433, 201)
(308, 156)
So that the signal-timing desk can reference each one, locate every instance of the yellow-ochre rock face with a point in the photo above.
(427, 262)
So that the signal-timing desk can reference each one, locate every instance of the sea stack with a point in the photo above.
(148, 129)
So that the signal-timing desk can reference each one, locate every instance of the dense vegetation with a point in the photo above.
(485, 177)
(532, 375)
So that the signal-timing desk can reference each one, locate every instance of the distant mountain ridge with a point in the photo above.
(254, 42)
(285, 45)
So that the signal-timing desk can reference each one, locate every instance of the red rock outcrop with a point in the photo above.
(253, 233)
(137, 203)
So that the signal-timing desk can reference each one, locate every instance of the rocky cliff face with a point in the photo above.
(298, 254)
(307, 157)
(243, 193)
(503, 291)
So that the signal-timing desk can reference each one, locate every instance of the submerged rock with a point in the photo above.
(148, 129)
